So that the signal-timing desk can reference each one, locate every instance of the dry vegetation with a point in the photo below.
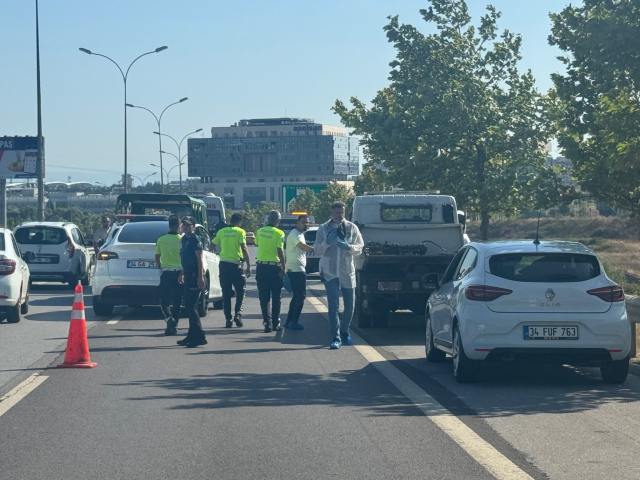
(616, 240)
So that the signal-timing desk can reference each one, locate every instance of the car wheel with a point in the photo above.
(13, 314)
(432, 353)
(615, 371)
(73, 281)
(101, 309)
(203, 302)
(464, 370)
(24, 308)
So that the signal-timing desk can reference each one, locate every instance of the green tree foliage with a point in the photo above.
(372, 179)
(253, 217)
(458, 115)
(335, 192)
(305, 201)
(598, 98)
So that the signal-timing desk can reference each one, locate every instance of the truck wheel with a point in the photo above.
(364, 319)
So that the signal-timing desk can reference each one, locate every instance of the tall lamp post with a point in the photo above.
(125, 75)
(158, 120)
(39, 158)
(162, 169)
(179, 145)
(180, 163)
(145, 178)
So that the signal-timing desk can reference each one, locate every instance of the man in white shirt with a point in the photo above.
(295, 266)
(337, 242)
(101, 234)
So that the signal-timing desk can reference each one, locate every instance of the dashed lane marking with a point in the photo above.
(21, 391)
(476, 447)
(116, 320)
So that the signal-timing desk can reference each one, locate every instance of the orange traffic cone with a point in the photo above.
(77, 355)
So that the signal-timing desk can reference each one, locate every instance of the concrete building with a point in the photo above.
(251, 160)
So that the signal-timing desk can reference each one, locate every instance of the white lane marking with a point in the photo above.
(21, 391)
(479, 449)
(116, 320)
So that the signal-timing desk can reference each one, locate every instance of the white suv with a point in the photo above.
(55, 251)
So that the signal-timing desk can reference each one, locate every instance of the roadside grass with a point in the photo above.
(616, 241)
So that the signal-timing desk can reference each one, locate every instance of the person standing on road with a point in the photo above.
(295, 265)
(168, 260)
(233, 251)
(337, 242)
(270, 270)
(193, 278)
(101, 234)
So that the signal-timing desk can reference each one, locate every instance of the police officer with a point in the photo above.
(270, 270)
(193, 278)
(233, 251)
(168, 260)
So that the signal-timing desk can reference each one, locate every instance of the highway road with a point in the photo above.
(282, 405)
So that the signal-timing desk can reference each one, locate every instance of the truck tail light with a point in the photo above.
(107, 255)
(614, 293)
(70, 248)
(7, 266)
(485, 293)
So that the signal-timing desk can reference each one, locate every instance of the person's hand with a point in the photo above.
(248, 272)
(181, 279)
(343, 245)
(332, 238)
(281, 274)
(201, 282)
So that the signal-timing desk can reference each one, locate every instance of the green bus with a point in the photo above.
(162, 204)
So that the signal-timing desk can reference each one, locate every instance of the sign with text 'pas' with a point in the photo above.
(18, 157)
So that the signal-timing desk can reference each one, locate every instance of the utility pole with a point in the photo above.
(40, 157)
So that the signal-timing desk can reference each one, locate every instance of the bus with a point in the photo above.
(162, 204)
(215, 212)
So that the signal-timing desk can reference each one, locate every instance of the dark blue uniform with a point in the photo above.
(190, 245)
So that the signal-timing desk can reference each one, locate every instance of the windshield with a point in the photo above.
(144, 232)
(544, 267)
(405, 213)
(161, 209)
(40, 235)
(213, 216)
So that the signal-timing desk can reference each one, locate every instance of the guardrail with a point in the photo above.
(633, 313)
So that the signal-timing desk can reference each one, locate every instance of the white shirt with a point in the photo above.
(296, 257)
(337, 263)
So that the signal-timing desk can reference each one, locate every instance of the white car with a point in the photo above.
(14, 278)
(517, 301)
(55, 251)
(126, 272)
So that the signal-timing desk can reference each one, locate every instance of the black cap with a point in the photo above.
(189, 219)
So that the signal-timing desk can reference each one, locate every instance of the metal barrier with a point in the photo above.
(633, 313)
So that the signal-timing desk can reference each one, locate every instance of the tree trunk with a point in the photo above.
(484, 225)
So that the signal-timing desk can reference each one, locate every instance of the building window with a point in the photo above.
(274, 133)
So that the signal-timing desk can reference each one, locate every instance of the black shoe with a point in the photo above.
(238, 320)
(184, 341)
(196, 343)
(229, 324)
(267, 327)
(169, 331)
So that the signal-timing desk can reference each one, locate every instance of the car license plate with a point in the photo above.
(141, 264)
(550, 333)
(41, 260)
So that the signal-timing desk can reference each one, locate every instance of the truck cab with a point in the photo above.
(407, 236)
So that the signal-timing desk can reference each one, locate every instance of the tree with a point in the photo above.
(598, 99)
(372, 179)
(253, 217)
(305, 201)
(335, 192)
(458, 116)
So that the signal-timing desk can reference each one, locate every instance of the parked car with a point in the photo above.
(14, 278)
(126, 272)
(313, 262)
(251, 238)
(517, 301)
(55, 251)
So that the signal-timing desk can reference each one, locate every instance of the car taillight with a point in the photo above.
(107, 255)
(485, 293)
(70, 248)
(7, 266)
(614, 293)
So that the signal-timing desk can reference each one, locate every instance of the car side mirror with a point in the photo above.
(431, 280)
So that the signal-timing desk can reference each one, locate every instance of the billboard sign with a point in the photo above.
(291, 191)
(18, 157)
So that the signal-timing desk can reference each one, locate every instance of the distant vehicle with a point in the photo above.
(162, 204)
(251, 238)
(14, 278)
(406, 236)
(289, 221)
(517, 301)
(126, 272)
(55, 251)
(215, 213)
(313, 262)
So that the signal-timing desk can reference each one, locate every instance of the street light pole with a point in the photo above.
(125, 75)
(145, 178)
(158, 121)
(39, 158)
(179, 145)
(162, 169)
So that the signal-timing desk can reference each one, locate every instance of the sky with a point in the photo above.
(233, 60)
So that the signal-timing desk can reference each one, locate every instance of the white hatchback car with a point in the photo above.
(55, 251)
(126, 272)
(517, 301)
(14, 278)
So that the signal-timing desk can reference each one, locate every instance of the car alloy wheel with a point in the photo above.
(432, 353)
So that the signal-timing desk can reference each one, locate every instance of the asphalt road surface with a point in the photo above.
(282, 405)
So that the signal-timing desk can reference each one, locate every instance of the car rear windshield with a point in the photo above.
(545, 267)
(405, 213)
(143, 232)
(41, 236)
